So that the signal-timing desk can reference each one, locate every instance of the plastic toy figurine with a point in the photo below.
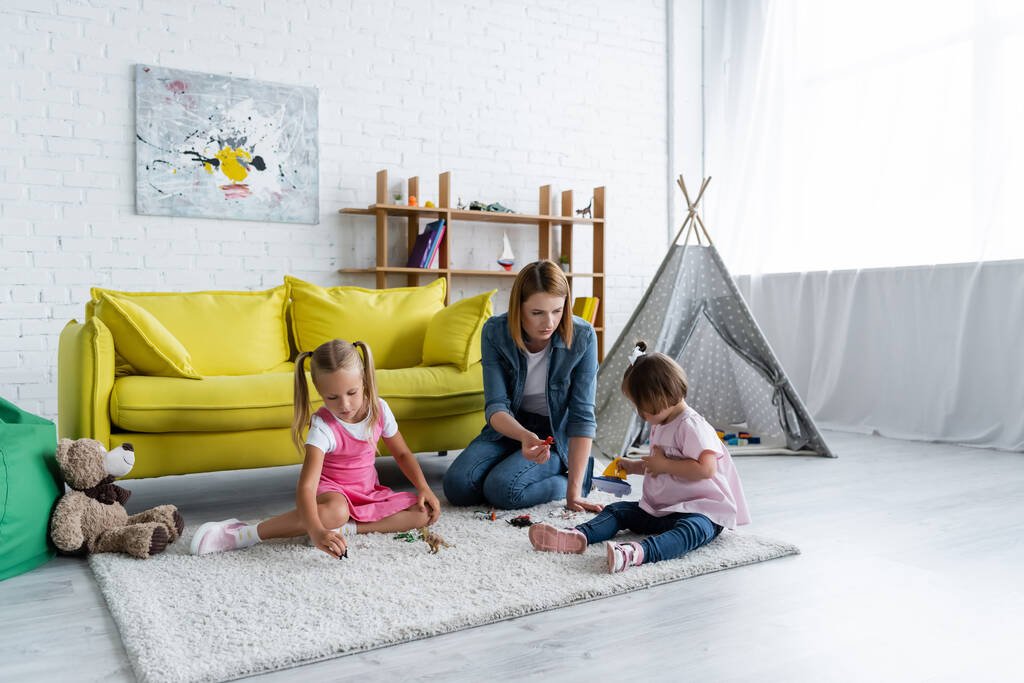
(521, 521)
(498, 208)
(550, 441)
(430, 204)
(433, 540)
(585, 211)
(460, 205)
(412, 200)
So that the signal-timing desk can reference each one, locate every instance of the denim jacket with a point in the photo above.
(571, 386)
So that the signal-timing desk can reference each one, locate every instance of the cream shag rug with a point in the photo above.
(281, 604)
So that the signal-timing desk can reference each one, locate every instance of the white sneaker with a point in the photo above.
(622, 556)
(216, 537)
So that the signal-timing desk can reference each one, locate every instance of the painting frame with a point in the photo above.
(224, 147)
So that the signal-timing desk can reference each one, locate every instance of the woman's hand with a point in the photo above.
(582, 505)
(656, 463)
(428, 502)
(535, 449)
(330, 542)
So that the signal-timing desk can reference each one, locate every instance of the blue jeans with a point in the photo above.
(675, 534)
(495, 473)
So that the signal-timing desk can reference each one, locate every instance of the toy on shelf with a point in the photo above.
(429, 204)
(460, 206)
(613, 480)
(412, 200)
(585, 211)
(494, 207)
(507, 258)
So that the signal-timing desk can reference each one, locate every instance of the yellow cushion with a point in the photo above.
(226, 332)
(453, 334)
(392, 322)
(265, 401)
(143, 341)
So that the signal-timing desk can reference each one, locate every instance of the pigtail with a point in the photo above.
(303, 409)
(652, 380)
(369, 382)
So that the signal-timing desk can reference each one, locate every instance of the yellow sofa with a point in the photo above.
(203, 381)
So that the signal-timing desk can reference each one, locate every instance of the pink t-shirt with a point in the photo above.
(719, 498)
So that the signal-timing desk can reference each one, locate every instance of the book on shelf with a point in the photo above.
(426, 245)
(586, 308)
(435, 243)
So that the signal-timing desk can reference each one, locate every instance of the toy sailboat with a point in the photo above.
(507, 258)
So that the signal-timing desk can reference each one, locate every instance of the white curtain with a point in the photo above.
(868, 185)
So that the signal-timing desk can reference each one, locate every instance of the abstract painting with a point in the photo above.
(223, 147)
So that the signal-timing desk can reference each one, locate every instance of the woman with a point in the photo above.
(540, 369)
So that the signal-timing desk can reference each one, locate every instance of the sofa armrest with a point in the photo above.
(85, 378)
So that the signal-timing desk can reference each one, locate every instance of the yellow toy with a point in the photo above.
(615, 469)
(430, 205)
(613, 480)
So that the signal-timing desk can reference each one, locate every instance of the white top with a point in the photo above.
(320, 434)
(535, 393)
(719, 498)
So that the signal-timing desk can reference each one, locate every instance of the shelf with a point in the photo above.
(546, 224)
(449, 271)
(400, 210)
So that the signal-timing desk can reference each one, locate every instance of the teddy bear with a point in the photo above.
(91, 517)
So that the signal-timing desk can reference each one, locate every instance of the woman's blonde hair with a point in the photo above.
(329, 357)
(545, 277)
(654, 381)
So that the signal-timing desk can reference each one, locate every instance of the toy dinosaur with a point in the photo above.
(433, 540)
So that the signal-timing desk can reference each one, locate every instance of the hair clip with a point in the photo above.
(637, 352)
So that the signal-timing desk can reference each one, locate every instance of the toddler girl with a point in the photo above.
(691, 488)
(338, 493)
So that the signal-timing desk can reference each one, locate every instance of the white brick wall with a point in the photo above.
(506, 94)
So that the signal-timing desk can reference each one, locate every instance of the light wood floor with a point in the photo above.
(911, 571)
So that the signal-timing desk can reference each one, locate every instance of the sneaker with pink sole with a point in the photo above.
(216, 537)
(550, 539)
(622, 556)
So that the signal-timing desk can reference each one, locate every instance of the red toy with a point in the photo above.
(550, 441)
(521, 521)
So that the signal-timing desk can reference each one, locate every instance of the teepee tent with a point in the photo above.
(693, 312)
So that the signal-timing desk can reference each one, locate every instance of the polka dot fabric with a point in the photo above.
(693, 312)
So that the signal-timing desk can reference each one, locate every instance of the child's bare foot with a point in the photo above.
(549, 539)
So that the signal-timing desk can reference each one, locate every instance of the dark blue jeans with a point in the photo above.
(674, 535)
(496, 473)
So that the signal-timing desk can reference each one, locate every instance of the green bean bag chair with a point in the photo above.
(29, 487)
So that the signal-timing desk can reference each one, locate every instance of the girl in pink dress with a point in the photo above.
(692, 490)
(338, 493)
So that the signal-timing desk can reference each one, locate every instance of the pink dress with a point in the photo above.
(350, 469)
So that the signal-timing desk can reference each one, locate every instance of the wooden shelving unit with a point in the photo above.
(543, 221)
